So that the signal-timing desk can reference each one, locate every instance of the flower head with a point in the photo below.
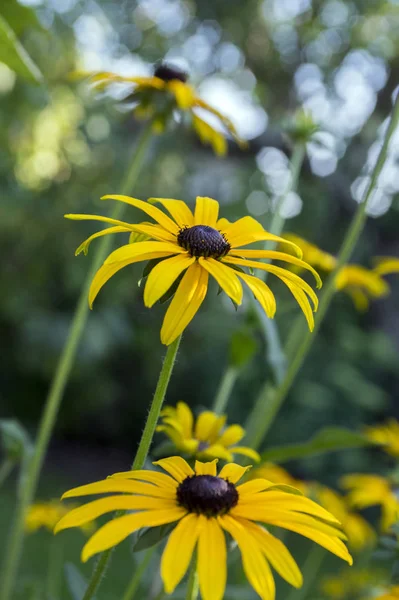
(205, 505)
(391, 593)
(386, 435)
(167, 90)
(47, 515)
(206, 438)
(370, 490)
(188, 248)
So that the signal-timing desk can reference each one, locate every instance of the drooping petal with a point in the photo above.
(183, 92)
(149, 209)
(291, 502)
(129, 251)
(262, 293)
(154, 477)
(247, 231)
(233, 472)
(186, 418)
(253, 487)
(245, 451)
(178, 551)
(206, 468)
(385, 265)
(163, 275)
(208, 426)
(225, 276)
(231, 435)
(209, 135)
(92, 510)
(188, 298)
(177, 209)
(206, 211)
(84, 246)
(212, 560)
(255, 565)
(176, 466)
(121, 485)
(217, 451)
(303, 302)
(120, 528)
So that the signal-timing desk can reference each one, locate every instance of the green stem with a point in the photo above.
(137, 575)
(5, 469)
(58, 384)
(54, 566)
(225, 388)
(348, 245)
(193, 583)
(142, 451)
(310, 571)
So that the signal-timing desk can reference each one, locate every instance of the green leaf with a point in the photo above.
(14, 55)
(243, 346)
(152, 536)
(20, 18)
(15, 440)
(329, 439)
(76, 583)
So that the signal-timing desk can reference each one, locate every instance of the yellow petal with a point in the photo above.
(292, 502)
(233, 472)
(303, 302)
(206, 211)
(149, 209)
(262, 293)
(255, 565)
(185, 303)
(208, 134)
(231, 435)
(247, 230)
(159, 479)
(177, 209)
(176, 466)
(163, 275)
(253, 486)
(84, 246)
(186, 418)
(228, 124)
(119, 529)
(121, 485)
(208, 425)
(225, 276)
(217, 451)
(155, 231)
(129, 251)
(206, 468)
(183, 93)
(91, 511)
(385, 265)
(178, 551)
(245, 451)
(212, 560)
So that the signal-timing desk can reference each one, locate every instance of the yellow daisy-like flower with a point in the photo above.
(167, 90)
(47, 515)
(205, 439)
(195, 246)
(386, 435)
(278, 475)
(205, 506)
(362, 285)
(312, 254)
(370, 490)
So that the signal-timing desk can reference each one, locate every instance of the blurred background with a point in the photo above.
(62, 147)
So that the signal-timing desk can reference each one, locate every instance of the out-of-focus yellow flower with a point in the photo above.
(391, 593)
(385, 265)
(386, 435)
(47, 515)
(167, 90)
(207, 437)
(351, 583)
(204, 505)
(312, 254)
(278, 475)
(370, 490)
(194, 246)
(362, 285)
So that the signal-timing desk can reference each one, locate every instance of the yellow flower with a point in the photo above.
(385, 265)
(312, 254)
(351, 583)
(278, 475)
(361, 284)
(196, 246)
(391, 593)
(370, 490)
(167, 90)
(206, 438)
(205, 505)
(386, 435)
(47, 515)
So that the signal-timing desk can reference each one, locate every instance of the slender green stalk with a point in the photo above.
(193, 583)
(348, 245)
(58, 384)
(275, 355)
(225, 388)
(142, 451)
(5, 469)
(137, 575)
(310, 571)
(54, 569)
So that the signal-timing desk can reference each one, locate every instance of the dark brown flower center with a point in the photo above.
(202, 240)
(207, 495)
(168, 72)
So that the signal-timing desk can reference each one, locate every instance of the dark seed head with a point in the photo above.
(169, 72)
(202, 240)
(207, 495)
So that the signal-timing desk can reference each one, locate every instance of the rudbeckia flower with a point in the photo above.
(278, 475)
(205, 506)
(371, 490)
(386, 435)
(47, 515)
(206, 438)
(312, 254)
(167, 90)
(190, 247)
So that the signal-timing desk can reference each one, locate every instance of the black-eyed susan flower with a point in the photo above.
(205, 438)
(190, 247)
(386, 436)
(205, 507)
(278, 475)
(167, 90)
(371, 490)
(47, 515)
(312, 254)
